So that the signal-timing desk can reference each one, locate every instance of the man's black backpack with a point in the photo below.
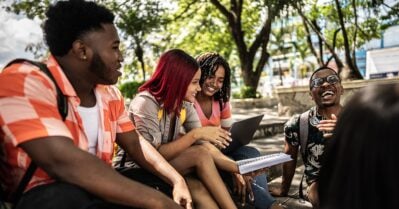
(63, 110)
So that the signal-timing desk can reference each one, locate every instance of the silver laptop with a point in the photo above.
(242, 132)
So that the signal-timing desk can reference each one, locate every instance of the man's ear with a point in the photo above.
(79, 49)
(310, 95)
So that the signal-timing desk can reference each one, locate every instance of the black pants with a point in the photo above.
(60, 195)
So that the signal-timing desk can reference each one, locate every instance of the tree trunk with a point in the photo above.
(139, 54)
(354, 71)
(247, 54)
(320, 36)
(310, 44)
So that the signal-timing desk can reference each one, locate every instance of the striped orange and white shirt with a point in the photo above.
(28, 110)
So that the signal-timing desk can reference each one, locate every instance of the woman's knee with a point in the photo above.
(200, 155)
(196, 186)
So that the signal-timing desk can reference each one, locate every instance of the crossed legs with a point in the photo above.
(198, 159)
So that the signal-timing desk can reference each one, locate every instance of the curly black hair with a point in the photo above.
(209, 63)
(68, 20)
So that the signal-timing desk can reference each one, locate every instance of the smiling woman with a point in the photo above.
(162, 108)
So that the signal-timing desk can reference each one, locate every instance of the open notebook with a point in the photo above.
(256, 163)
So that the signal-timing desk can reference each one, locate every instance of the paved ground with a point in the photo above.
(271, 144)
(275, 144)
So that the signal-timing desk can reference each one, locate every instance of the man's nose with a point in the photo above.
(325, 83)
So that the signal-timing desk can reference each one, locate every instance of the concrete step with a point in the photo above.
(292, 201)
(270, 125)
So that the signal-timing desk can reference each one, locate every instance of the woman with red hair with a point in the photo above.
(164, 106)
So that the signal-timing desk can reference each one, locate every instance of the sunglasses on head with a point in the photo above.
(317, 82)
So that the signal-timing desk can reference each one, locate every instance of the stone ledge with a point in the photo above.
(293, 100)
(253, 103)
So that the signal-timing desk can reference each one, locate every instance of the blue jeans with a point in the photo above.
(263, 199)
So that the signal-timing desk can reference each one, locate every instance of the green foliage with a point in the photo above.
(149, 27)
(196, 28)
(246, 92)
(129, 89)
(391, 17)
(30, 8)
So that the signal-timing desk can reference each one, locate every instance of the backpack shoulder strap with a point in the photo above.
(63, 110)
(303, 131)
(303, 139)
(61, 99)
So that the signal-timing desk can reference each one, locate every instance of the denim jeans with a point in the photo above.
(62, 195)
(262, 197)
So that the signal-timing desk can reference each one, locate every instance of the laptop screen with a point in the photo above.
(242, 132)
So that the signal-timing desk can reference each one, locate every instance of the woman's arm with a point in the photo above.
(146, 156)
(214, 135)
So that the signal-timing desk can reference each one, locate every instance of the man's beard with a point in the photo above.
(98, 67)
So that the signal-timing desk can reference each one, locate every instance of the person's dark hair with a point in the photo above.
(359, 166)
(68, 20)
(172, 76)
(319, 69)
(209, 63)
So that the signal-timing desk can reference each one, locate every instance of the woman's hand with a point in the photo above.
(256, 173)
(243, 186)
(215, 135)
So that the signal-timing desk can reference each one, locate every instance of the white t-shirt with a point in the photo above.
(90, 118)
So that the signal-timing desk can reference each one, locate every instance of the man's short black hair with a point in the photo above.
(68, 20)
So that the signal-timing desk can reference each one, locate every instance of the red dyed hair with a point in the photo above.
(171, 78)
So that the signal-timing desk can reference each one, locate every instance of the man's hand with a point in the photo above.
(181, 195)
(277, 192)
(327, 126)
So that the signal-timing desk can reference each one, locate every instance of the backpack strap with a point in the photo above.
(303, 131)
(303, 139)
(61, 98)
(63, 110)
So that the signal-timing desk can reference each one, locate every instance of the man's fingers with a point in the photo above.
(248, 182)
(189, 205)
(243, 193)
(327, 135)
(185, 203)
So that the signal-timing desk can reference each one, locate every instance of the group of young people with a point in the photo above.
(172, 139)
(74, 154)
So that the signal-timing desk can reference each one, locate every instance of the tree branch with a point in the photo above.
(262, 36)
(188, 6)
(223, 10)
